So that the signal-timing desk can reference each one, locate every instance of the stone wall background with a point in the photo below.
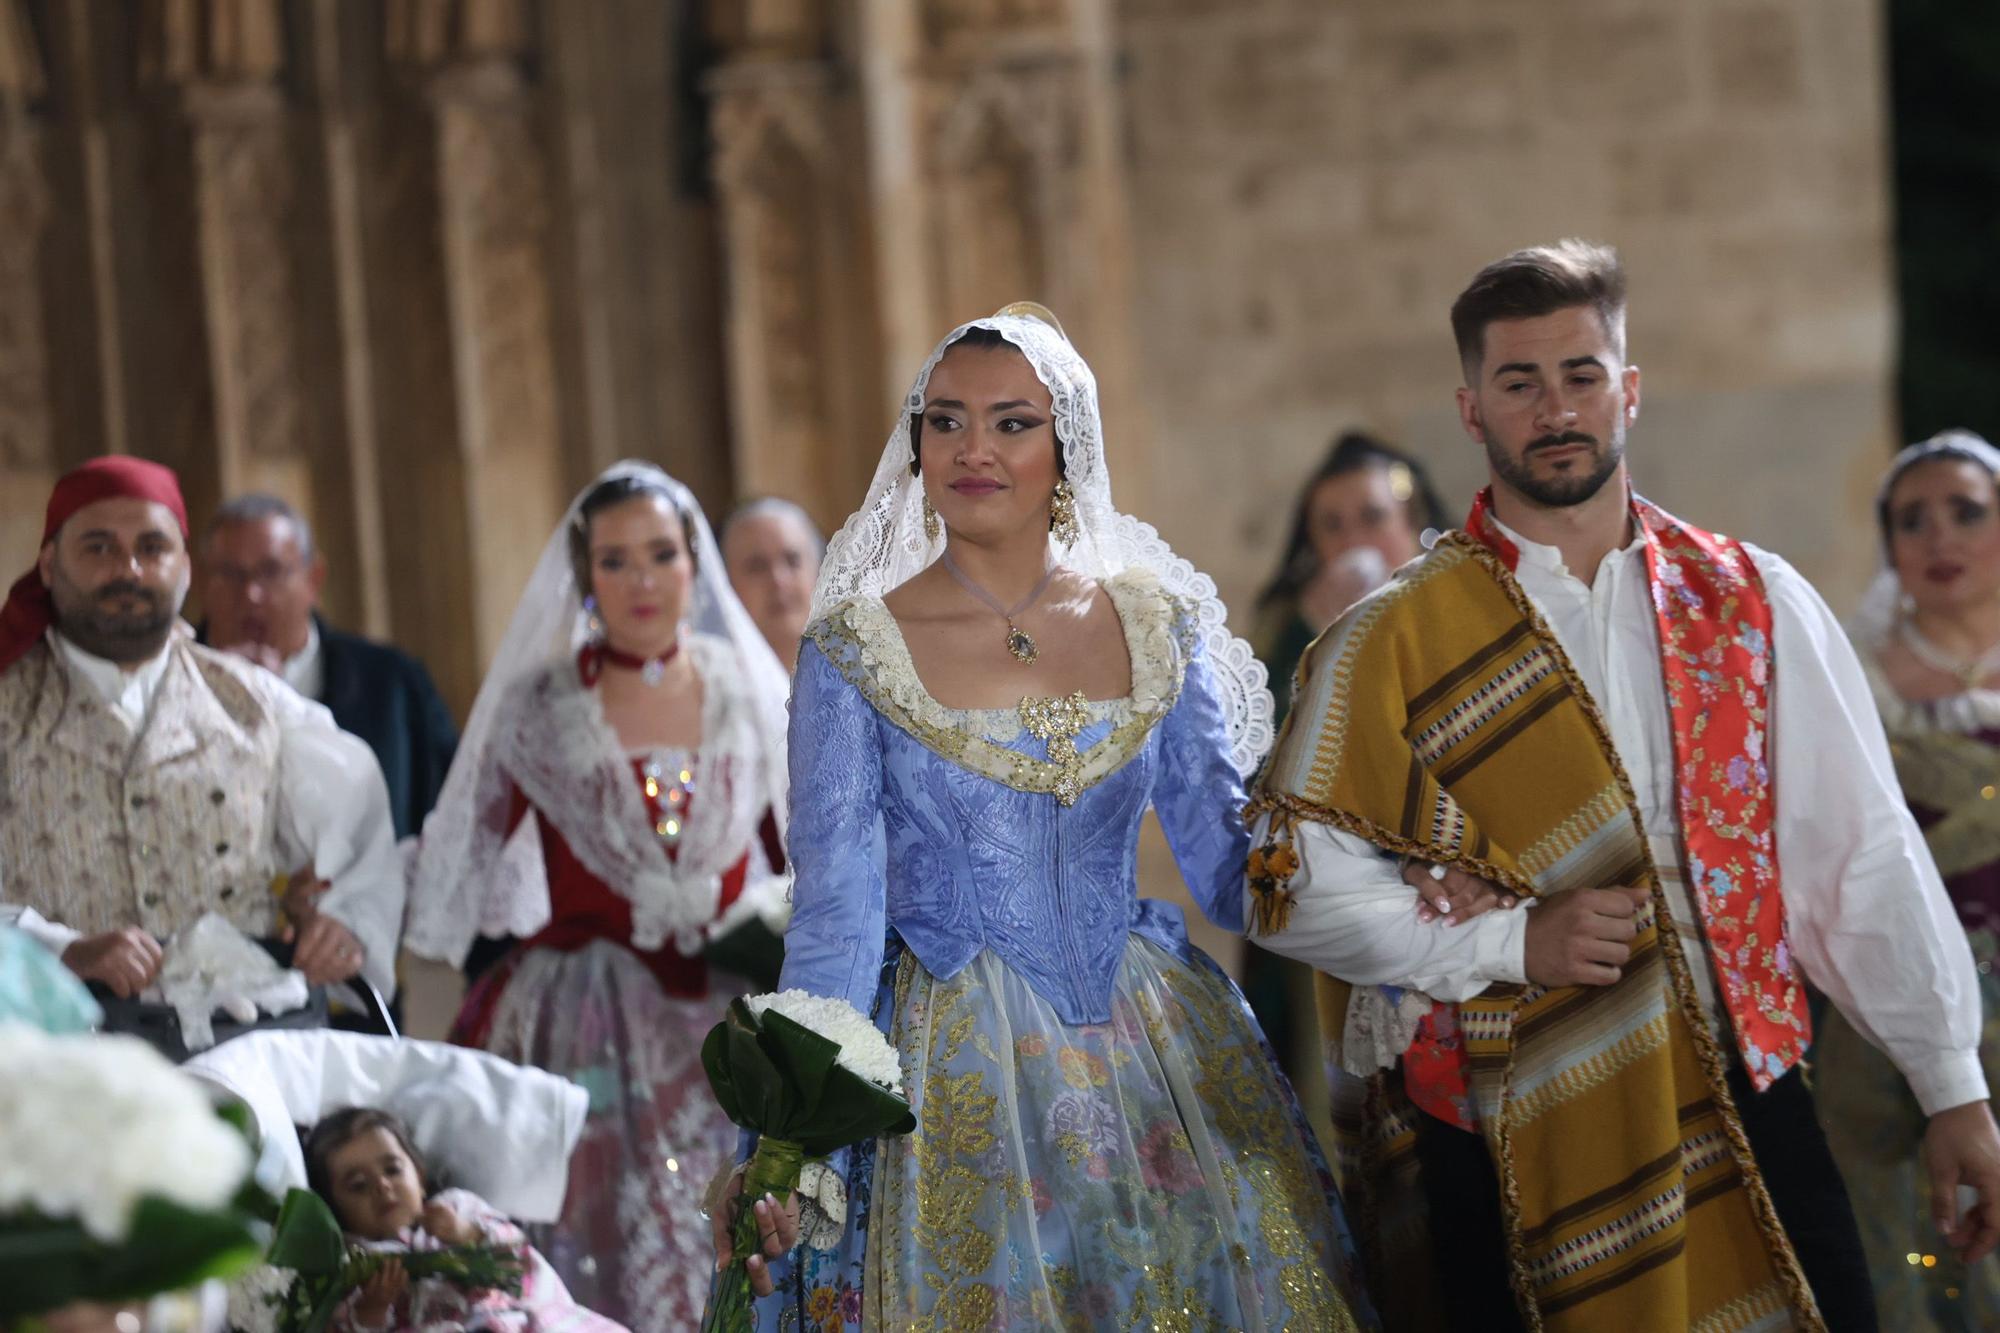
(1312, 183)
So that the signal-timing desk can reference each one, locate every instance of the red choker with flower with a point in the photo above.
(595, 656)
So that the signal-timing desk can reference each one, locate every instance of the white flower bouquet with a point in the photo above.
(809, 1075)
(118, 1181)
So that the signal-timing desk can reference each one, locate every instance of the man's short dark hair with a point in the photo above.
(1539, 281)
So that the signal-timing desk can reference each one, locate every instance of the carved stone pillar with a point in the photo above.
(221, 61)
(480, 430)
(494, 211)
(245, 190)
(1015, 141)
(25, 425)
(994, 175)
(26, 409)
(798, 305)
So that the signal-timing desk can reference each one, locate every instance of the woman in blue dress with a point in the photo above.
(1003, 674)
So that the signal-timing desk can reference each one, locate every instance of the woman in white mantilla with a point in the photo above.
(1929, 639)
(1003, 674)
(615, 806)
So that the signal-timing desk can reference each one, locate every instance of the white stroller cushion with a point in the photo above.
(501, 1130)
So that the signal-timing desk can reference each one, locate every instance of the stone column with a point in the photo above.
(996, 176)
(798, 310)
(221, 61)
(489, 484)
(27, 453)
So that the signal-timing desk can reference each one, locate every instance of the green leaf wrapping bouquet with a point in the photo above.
(311, 1267)
(119, 1180)
(809, 1075)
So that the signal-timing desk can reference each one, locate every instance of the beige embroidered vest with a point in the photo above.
(101, 829)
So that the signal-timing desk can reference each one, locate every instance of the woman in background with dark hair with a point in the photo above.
(1362, 513)
(615, 805)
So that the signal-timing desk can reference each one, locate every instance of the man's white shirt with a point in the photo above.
(1866, 915)
(333, 811)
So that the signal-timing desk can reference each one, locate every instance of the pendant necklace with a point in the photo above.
(1019, 642)
(1969, 673)
(652, 670)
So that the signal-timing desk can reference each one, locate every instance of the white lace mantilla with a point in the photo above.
(863, 639)
(883, 544)
(535, 726)
(552, 742)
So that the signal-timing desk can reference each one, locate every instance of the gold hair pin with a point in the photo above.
(1032, 310)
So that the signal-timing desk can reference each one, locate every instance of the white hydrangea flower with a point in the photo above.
(256, 1296)
(863, 1048)
(94, 1124)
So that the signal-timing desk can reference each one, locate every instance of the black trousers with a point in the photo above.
(1463, 1195)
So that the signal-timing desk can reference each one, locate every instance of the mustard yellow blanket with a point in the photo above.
(1441, 719)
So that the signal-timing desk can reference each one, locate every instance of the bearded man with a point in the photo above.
(1654, 750)
(146, 781)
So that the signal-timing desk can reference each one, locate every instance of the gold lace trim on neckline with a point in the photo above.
(882, 669)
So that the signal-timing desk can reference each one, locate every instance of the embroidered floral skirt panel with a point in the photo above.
(632, 1243)
(1876, 1131)
(1150, 1172)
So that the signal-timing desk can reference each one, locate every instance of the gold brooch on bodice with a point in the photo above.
(1057, 723)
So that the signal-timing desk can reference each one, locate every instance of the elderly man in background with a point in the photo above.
(261, 581)
(772, 550)
(146, 781)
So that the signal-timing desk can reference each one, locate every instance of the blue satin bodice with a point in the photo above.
(888, 833)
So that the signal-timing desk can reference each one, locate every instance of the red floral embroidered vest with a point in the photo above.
(1715, 643)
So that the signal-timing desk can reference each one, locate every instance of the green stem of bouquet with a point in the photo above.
(773, 1169)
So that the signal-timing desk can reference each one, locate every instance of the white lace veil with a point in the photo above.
(883, 544)
(1882, 605)
(466, 875)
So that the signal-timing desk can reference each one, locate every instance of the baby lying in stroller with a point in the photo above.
(503, 1131)
(361, 1161)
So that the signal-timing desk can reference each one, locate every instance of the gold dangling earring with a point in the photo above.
(1062, 513)
(931, 526)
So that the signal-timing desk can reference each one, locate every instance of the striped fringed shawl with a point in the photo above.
(1441, 719)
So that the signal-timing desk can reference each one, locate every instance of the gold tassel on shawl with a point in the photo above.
(1271, 869)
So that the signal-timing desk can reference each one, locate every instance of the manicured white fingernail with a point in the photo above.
(1444, 905)
(1437, 873)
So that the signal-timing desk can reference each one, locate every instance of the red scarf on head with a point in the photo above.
(29, 610)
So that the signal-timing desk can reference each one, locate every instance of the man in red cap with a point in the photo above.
(146, 781)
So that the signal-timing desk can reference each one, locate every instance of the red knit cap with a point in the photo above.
(30, 610)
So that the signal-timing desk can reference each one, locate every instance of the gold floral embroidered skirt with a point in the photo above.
(1148, 1172)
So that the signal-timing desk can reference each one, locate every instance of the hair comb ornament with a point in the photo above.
(1033, 310)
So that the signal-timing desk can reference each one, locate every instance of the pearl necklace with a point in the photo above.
(1967, 673)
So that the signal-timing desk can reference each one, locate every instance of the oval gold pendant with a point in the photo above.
(1023, 647)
